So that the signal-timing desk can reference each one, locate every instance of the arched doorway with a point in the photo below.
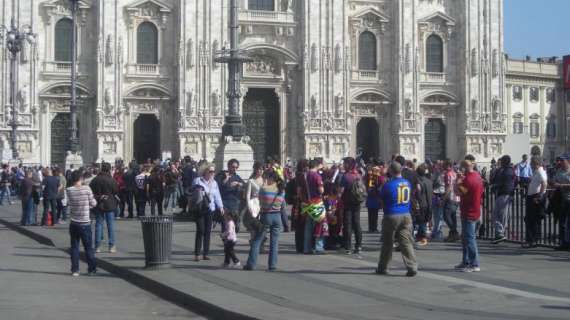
(60, 138)
(367, 138)
(435, 133)
(261, 119)
(146, 139)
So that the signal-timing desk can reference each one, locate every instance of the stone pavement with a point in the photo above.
(514, 283)
(36, 284)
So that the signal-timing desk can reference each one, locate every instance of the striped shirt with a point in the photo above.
(80, 200)
(270, 199)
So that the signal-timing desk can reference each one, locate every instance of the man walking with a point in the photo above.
(141, 195)
(503, 182)
(524, 171)
(105, 190)
(51, 187)
(396, 195)
(451, 202)
(470, 186)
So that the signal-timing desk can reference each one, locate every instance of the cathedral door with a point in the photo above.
(435, 133)
(367, 138)
(60, 136)
(261, 119)
(146, 138)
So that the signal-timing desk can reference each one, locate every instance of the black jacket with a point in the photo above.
(105, 189)
(504, 181)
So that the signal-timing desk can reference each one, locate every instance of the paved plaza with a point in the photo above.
(514, 283)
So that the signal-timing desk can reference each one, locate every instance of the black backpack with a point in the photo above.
(358, 192)
(291, 192)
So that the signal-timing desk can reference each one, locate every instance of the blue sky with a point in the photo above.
(538, 28)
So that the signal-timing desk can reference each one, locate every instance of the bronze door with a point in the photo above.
(146, 140)
(60, 136)
(261, 119)
(435, 140)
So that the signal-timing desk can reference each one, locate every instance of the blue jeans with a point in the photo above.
(272, 223)
(501, 214)
(5, 192)
(308, 235)
(469, 243)
(320, 244)
(450, 215)
(437, 233)
(27, 212)
(81, 232)
(109, 218)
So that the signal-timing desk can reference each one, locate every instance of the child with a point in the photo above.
(230, 238)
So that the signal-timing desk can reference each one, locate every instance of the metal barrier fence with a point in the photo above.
(515, 230)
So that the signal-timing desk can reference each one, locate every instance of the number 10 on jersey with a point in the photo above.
(403, 194)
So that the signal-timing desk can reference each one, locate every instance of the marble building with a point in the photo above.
(424, 78)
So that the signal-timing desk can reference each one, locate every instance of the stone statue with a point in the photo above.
(215, 49)
(474, 62)
(338, 61)
(190, 54)
(190, 99)
(23, 98)
(109, 98)
(24, 56)
(495, 63)
(109, 50)
(339, 104)
(314, 58)
(496, 109)
(120, 50)
(314, 106)
(474, 109)
(215, 100)
(286, 5)
(409, 109)
(408, 59)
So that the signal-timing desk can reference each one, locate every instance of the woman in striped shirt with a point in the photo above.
(271, 198)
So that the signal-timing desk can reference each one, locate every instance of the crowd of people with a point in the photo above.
(321, 204)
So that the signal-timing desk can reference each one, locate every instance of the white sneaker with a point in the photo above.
(466, 270)
(75, 274)
(97, 250)
(236, 265)
(476, 269)
(113, 249)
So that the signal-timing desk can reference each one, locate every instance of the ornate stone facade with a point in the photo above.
(306, 52)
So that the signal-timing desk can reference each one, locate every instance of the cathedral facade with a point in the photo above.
(422, 78)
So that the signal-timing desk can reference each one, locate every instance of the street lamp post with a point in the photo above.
(74, 141)
(14, 43)
(233, 125)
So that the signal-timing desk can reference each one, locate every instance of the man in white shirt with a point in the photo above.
(535, 202)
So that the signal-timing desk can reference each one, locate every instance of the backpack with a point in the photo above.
(291, 192)
(358, 192)
(198, 201)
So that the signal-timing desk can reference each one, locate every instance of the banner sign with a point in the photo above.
(566, 72)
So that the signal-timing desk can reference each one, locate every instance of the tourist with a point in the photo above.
(503, 181)
(80, 200)
(438, 201)
(271, 196)
(229, 237)
(26, 194)
(375, 181)
(171, 188)
(451, 201)
(188, 176)
(535, 203)
(50, 191)
(119, 177)
(61, 206)
(523, 171)
(312, 189)
(130, 189)
(562, 184)
(424, 198)
(141, 193)
(351, 204)
(231, 185)
(206, 184)
(470, 189)
(5, 183)
(397, 222)
(156, 187)
(36, 194)
(296, 193)
(251, 218)
(105, 191)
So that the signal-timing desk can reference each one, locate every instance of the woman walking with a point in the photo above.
(251, 220)
(271, 196)
(208, 187)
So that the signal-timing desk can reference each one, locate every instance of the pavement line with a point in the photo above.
(480, 285)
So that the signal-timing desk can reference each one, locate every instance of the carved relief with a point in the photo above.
(315, 149)
(263, 65)
(109, 147)
(23, 98)
(215, 101)
(339, 104)
(314, 106)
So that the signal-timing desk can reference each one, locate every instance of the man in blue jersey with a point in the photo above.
(396, 196)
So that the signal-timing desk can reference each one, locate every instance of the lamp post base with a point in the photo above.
(232, 149)
(73, 159)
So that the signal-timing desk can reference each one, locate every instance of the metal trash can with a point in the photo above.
(157, 237)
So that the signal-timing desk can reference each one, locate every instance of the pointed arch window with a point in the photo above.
(63, 39)
(434, 54)
(265, 5)
(147, 43)
(367, 51)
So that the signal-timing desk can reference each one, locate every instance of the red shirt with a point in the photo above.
(471, 192)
